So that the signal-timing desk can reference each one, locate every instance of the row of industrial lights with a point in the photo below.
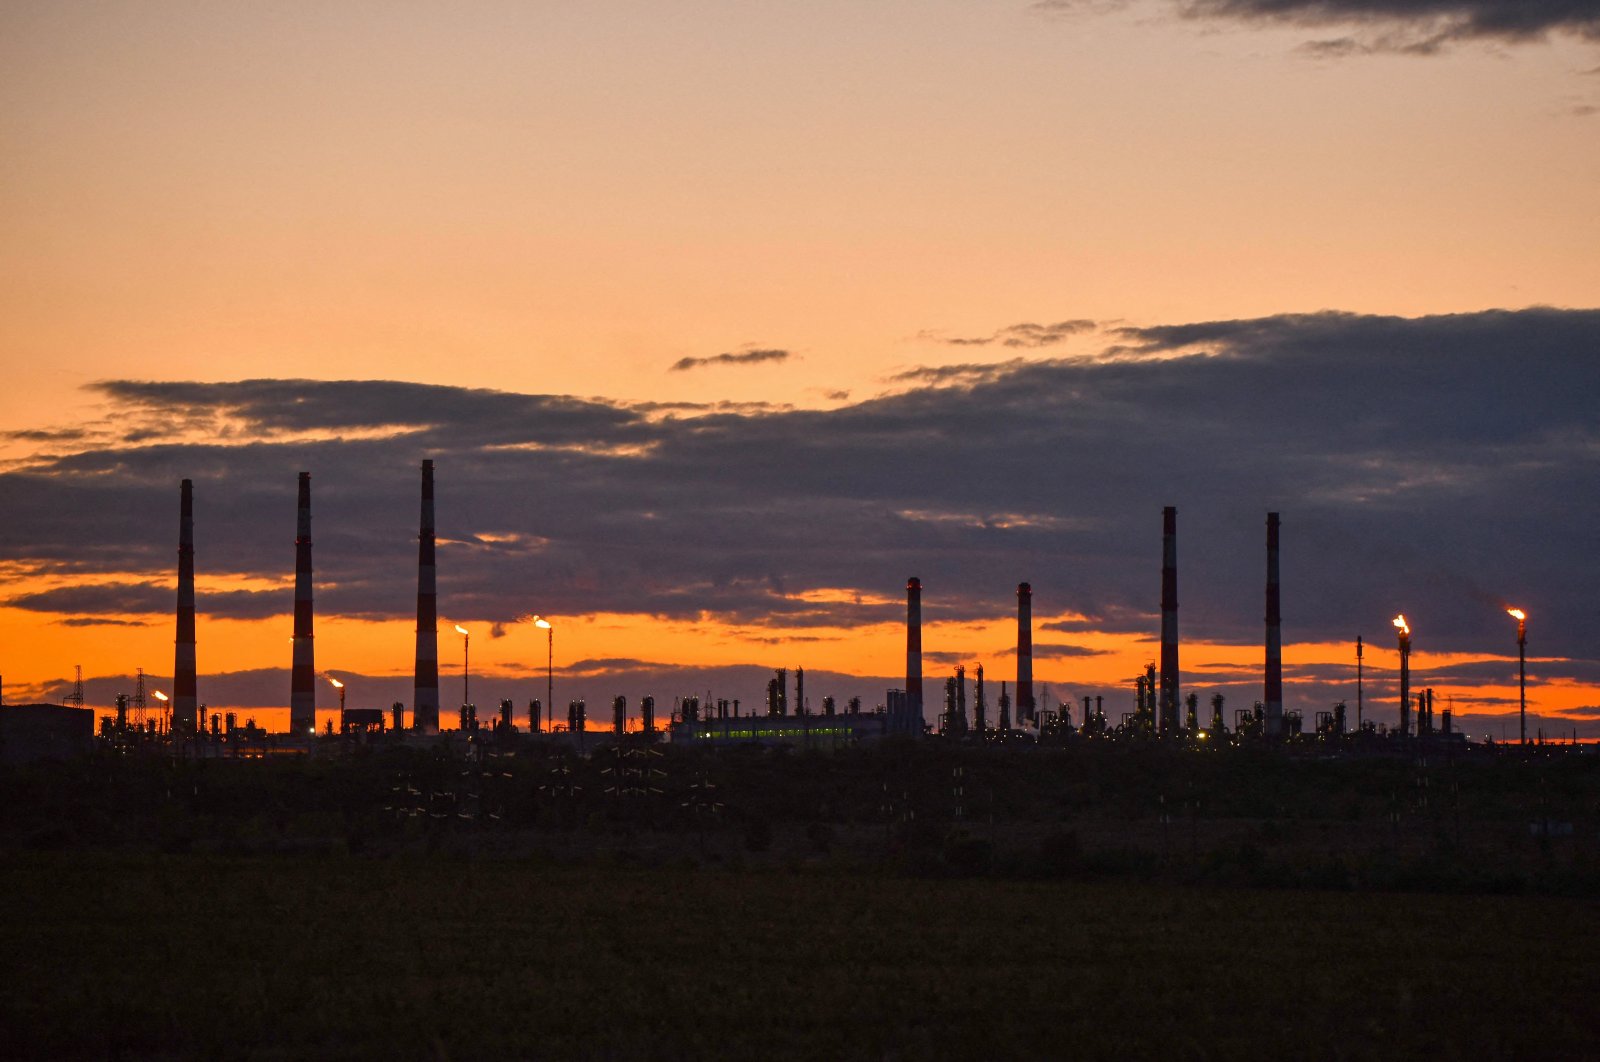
(539, 621)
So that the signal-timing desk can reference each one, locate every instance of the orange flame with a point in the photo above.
(159, 695)
(1400, 622)
(1516, 613)
(336, 683)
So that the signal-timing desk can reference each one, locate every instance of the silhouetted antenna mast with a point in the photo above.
(138, 700)
(77, 687)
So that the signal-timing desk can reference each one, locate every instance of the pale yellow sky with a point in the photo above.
(569, 197)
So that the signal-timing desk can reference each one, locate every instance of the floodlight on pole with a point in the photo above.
(1522, 670)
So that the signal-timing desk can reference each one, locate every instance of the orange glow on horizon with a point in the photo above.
(514, 664)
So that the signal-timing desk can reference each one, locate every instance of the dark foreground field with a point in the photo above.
(294, 957)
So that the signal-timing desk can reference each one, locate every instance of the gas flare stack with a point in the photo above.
(425, 681)
(1522, 672)
(1167, 704)
(302, 680)
(185, 702)
(1025, 712)
(1404, 630)
(1274, 684)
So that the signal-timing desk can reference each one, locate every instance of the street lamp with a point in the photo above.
(549, 670)
(466, 641)
(1522, 667)
(340, 687)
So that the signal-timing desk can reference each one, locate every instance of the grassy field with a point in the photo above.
(323, 957)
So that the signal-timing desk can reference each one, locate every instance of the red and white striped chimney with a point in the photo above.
(303, 677)
(185, 702)
(425, 684)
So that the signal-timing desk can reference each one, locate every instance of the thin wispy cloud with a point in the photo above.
(1024, 335)
(743, 357)
(1415, 27)
(965, 374)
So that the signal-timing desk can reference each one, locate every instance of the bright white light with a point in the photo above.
(159, 695)
(336, 683)
(541, 623)
(460, 629)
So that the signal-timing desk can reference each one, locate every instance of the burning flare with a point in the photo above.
(159, 695)
(460, 629)
(336, 683)
(1400, 622)
(1516, 613)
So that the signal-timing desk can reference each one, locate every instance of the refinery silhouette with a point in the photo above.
(1161, 710)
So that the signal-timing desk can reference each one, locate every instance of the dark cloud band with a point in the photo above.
(1434, 465)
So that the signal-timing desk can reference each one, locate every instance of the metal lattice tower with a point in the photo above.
(77, 687)
(138, 700)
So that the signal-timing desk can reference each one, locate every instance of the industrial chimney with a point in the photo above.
(914, 650)
(1274, 690)
(184, 700)
(1404, 630)
(425, 695)
(1024, 653)
(302, 680)
(1167, 702)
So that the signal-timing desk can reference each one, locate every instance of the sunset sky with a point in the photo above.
(720, 320)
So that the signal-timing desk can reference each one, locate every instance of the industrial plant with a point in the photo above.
(1160, 708)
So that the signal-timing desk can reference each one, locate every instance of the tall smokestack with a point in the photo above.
(303, 679)
(1274, 691)
(1404, 630)
(1024, 653)
(1168, 701)
(185, 703)
(425, 684)
(914, 649)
